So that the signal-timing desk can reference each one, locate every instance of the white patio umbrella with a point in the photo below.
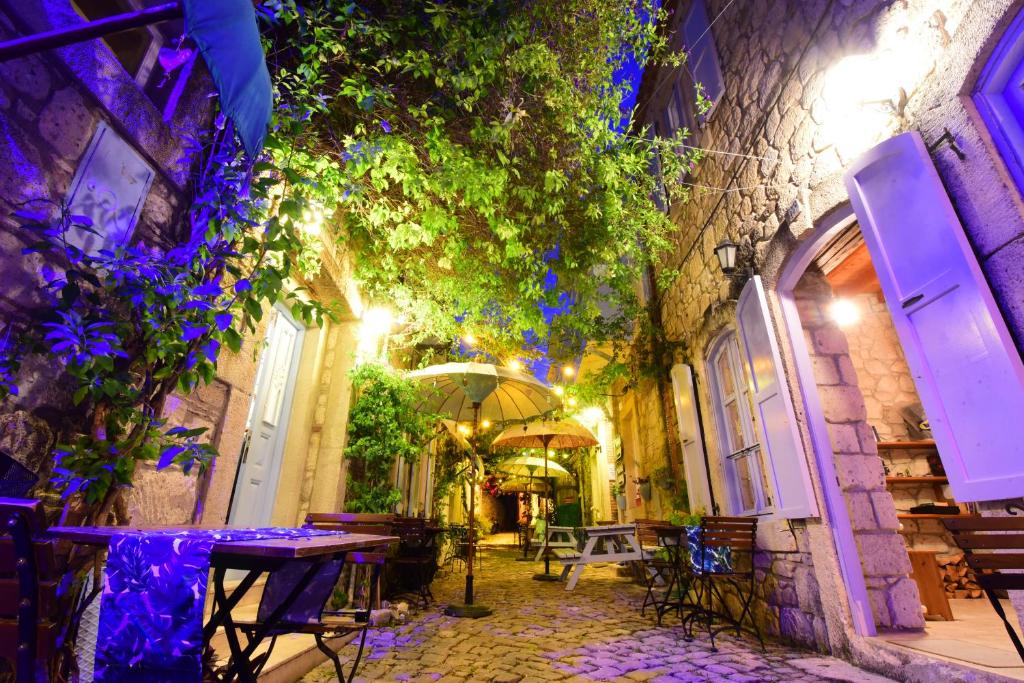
(476, 392)
(563, 434)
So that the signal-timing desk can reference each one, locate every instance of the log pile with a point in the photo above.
(958, 578)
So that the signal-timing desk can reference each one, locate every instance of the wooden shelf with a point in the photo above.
(910, 515)
(905, 445)
(916, 480)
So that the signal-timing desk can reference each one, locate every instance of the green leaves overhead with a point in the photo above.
(466, 143)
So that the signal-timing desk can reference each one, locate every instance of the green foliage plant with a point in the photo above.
(474, 148)
(128, 326)
(384, 425)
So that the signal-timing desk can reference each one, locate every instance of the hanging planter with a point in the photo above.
(645, 491)
(620, 501)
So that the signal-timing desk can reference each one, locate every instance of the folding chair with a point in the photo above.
(307, 613)
(713, 555)
(654, 569)
(997, 566)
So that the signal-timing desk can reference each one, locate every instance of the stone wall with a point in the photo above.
(882, 371)
(895, 601)
(50, 106)
(774, 173)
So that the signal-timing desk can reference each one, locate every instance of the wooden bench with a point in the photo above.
(996, 554)
(616, 539)
(558, 537)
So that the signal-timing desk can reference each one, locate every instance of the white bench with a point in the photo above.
(558, 537)
(620, 545)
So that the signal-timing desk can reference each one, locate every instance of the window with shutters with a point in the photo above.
(698, 40)
(739, 448)
(999, 97)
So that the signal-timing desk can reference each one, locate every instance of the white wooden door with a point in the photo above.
(256, 482)
(966, 368)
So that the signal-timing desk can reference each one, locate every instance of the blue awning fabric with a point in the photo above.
(228, 38)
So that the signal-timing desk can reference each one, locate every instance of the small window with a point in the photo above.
(702, 53)
(737, 438)
(660, 195)
(999, 97)
(679, 111)
(134, 48)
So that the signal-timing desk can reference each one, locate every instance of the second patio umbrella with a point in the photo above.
(547, 435)
(479, 391)
(528, 464)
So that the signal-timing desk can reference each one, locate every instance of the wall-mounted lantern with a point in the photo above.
(726, 252)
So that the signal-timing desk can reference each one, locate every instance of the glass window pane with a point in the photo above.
(745, 483)
(725, 374)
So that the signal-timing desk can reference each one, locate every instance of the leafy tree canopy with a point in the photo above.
(470, 152)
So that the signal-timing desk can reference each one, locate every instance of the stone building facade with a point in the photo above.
(801, 90)
(53, 106)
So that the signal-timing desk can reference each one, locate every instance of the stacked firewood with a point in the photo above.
(958, 578)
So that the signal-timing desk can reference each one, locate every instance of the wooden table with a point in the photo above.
(616, 540)
(256, 556)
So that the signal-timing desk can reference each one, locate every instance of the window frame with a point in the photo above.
(708, 34)
(1002, 124)
(732, 457)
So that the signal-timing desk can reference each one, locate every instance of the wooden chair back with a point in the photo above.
(994, 548)
(991, 547)
(412, 531)
(737, 533)
(331, 520)
(29, 578)
(645, 531)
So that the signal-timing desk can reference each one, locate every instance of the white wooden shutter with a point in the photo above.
(773, 409)
(968, 373)
(694, 468)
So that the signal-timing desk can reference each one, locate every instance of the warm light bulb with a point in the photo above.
(559, 391)
(464, 430)
(485, 424)
(515, 365)
(376, 322)
(572, 402)
(551, 453)
(568, 371)
(469, 339)
(844, 312)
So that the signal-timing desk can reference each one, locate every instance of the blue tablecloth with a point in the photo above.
(154, 590)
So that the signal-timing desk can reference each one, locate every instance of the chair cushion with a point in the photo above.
(715, 560)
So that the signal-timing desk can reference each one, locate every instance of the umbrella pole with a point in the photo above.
(468, 609)
(547, 575)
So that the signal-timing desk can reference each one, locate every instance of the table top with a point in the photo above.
(607, 530)
(282, 548)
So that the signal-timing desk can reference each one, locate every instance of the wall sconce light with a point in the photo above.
(726, 251)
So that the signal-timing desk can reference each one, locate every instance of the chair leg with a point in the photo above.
(331, 654)
(997, 606)
(359, 656)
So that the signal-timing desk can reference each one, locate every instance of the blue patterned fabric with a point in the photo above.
(151, 610)
(714, 561)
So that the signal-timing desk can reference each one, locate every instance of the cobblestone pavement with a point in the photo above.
(540, 632)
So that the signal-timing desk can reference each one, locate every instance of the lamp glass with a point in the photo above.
(726, 253)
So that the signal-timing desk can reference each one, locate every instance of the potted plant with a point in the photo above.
(644, 484)
(620, 495)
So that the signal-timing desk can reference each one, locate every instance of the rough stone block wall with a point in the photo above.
(894, 597)
(50, 106)
(777, 59)
(881, 367)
